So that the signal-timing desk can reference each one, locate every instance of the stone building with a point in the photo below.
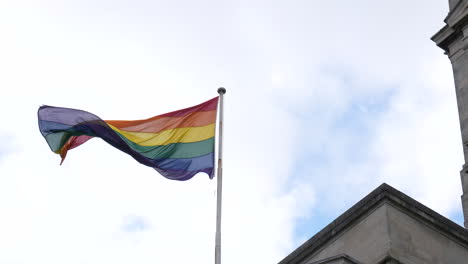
(386, 227)
(389, 227)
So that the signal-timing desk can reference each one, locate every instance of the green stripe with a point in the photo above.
(173, 151)
(57, 140)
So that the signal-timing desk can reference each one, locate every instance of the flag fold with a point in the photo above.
(178, 144)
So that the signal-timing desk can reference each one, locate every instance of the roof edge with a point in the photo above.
(341, 256)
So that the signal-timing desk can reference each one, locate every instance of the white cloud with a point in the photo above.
(297, 74)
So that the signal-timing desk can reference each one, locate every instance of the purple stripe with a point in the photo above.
(66, 116)
(184, 175)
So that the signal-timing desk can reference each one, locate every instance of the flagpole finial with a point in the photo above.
(221, 90)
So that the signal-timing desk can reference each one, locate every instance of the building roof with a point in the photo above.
(383, 194)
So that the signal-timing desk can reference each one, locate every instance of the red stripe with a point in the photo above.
(206, 106)
(157, 124)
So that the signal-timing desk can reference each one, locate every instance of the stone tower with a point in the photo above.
(453, 38)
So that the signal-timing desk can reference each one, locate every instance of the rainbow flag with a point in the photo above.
(178, 144)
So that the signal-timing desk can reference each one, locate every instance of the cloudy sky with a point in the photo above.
(326, 100)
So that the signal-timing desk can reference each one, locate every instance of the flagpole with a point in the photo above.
(219, 192)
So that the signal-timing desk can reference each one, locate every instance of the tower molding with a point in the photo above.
(453, 39)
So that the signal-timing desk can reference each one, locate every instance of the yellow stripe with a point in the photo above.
(176, 135)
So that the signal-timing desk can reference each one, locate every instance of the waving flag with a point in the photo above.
(178, 144)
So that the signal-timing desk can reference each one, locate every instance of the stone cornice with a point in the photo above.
(458, 13)
(444, 37)
(455, 22)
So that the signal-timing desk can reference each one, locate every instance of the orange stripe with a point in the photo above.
(157, 123)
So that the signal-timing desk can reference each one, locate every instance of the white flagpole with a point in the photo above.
(219, 176)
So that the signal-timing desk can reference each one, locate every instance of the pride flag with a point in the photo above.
(178, 144)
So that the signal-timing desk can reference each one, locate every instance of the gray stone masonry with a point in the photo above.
(452, 3)
(453, 38)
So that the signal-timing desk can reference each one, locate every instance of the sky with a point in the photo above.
(325, 101)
